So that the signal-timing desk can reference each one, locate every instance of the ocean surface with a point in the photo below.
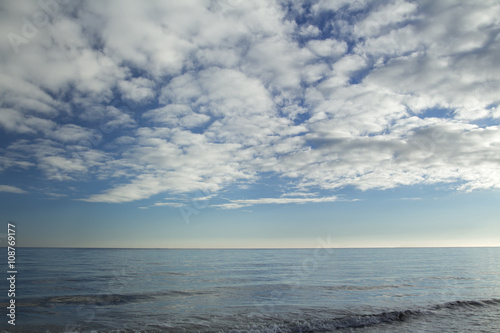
(306, 290)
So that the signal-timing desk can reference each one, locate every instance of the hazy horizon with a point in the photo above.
(228, 124)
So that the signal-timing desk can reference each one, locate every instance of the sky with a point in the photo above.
(232, 123)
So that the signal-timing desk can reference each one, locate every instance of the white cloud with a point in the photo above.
(327, 47)
(74, 133)
(299, 194)
(380, 19)
(396, 43)
(169, 204)
(277, 61)
(234, 204)
(137, 89)
(26, 96)
(12, 120)
(176, 115)
(204, 198)
(309, 31)
(142, 187)
(57, 161)
(117, 118)
(335, 5)
(11, 189)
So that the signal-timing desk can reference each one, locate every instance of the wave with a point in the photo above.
(365, 320)
(352, 321)
(266, 324)
(467, 304)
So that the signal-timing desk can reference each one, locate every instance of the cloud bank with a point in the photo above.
(175, 97)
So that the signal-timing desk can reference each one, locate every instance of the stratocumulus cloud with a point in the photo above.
(182, 96)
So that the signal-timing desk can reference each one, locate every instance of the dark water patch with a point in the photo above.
(168, 274)
(364, 288)
(104, 299)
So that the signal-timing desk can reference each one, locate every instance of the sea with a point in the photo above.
(255, 290)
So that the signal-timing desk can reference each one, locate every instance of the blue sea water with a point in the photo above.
(289, 290)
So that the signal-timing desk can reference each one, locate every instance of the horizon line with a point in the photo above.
(254, 248)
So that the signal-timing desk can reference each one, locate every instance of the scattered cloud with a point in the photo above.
(201, 96)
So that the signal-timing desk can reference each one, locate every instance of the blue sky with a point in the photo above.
(250, 124)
